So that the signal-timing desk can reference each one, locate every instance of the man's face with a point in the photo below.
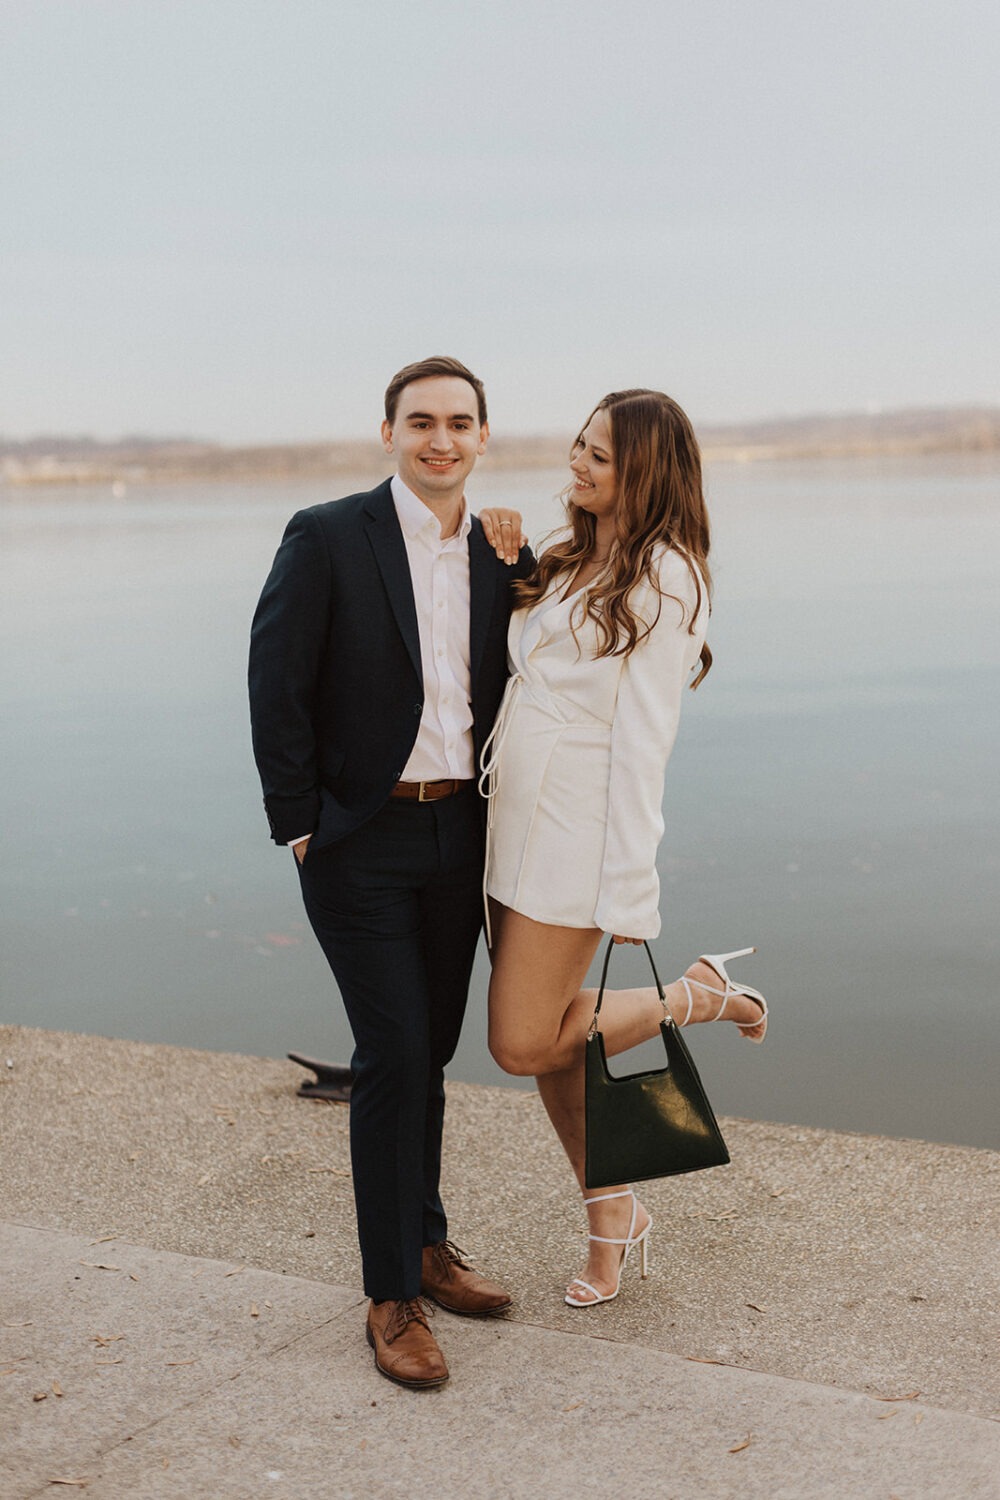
(436, 437)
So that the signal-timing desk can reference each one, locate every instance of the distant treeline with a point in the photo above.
(82, 460)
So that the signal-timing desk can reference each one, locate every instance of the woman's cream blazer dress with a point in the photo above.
(575, 766)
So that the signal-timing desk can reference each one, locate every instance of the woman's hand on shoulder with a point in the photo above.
(503, 532)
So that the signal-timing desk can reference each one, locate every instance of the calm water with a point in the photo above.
(832, 797)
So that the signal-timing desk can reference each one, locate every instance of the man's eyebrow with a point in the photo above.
(428, 416)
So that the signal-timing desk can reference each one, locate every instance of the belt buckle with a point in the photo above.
(420, 794)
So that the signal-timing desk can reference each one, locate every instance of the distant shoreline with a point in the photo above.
(70, 461)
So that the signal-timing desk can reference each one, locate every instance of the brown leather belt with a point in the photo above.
(428, 791)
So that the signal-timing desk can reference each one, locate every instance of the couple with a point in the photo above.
(406, 655)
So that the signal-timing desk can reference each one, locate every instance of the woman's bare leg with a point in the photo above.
(563, 1097)
(540, 1015)
(535, 998)
(539, 1019)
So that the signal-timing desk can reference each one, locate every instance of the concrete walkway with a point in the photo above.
(182, 1317)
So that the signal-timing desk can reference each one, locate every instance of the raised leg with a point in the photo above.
(539, 1019)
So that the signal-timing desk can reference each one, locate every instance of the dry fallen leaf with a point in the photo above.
(99, 1265)
(910, 1396)
(234, 1441)
(236, 1270)
(132, 1276)
(103, 1363)
(884, 1416)
(254, 1310)
(16, 1325)
(204, 1179)
(40, 1396)
(57, 1389)
(918, 1417)
(745, 1444)
(755, 1308)
(700, 1359)
(575, 1407)
(172, 1364)
(104, 1339)
(104, 1240)
(134, 1155)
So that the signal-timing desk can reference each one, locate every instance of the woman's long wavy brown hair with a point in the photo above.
(660, 503)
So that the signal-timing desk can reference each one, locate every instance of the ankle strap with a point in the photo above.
(603, 1197)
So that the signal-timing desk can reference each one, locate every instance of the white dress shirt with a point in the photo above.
(439, 570)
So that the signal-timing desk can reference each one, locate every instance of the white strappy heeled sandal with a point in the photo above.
(718, 961)
(631, 1239)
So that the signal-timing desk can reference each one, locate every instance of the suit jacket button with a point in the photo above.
(418, 708)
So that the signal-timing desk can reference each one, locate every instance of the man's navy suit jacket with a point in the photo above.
(336, 685)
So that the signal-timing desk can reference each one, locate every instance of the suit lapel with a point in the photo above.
(482, 588)
(386, 539)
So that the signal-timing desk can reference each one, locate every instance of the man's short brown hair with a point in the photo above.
(424, 369)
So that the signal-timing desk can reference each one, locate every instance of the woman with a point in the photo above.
(604, 635)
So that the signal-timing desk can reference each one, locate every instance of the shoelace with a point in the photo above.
(454, 1253)
(405, 1312)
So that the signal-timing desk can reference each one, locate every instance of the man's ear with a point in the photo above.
(387, 438)
(484, 436)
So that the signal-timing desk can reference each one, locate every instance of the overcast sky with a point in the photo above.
(235, 220)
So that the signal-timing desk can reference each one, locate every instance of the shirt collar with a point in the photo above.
(416, 518)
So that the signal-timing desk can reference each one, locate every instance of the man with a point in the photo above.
(377, 664)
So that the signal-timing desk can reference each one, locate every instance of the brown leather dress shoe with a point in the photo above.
(456, 1286)
(405, 1349)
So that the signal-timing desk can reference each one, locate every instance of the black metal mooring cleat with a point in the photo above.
(333, 1080)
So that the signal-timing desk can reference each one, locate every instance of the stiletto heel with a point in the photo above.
(629, 1241)
(718, 961)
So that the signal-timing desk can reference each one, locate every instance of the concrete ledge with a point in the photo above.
(823, 1272)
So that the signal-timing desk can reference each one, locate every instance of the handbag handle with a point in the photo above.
(604, 979)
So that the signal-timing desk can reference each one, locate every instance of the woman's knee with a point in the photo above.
(513, 1059)
(524, 1060)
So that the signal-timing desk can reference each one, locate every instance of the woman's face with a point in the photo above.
(595, 482)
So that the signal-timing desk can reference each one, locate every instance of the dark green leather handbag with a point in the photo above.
(651, 1124)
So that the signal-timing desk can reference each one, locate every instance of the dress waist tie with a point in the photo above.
(489, 777)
